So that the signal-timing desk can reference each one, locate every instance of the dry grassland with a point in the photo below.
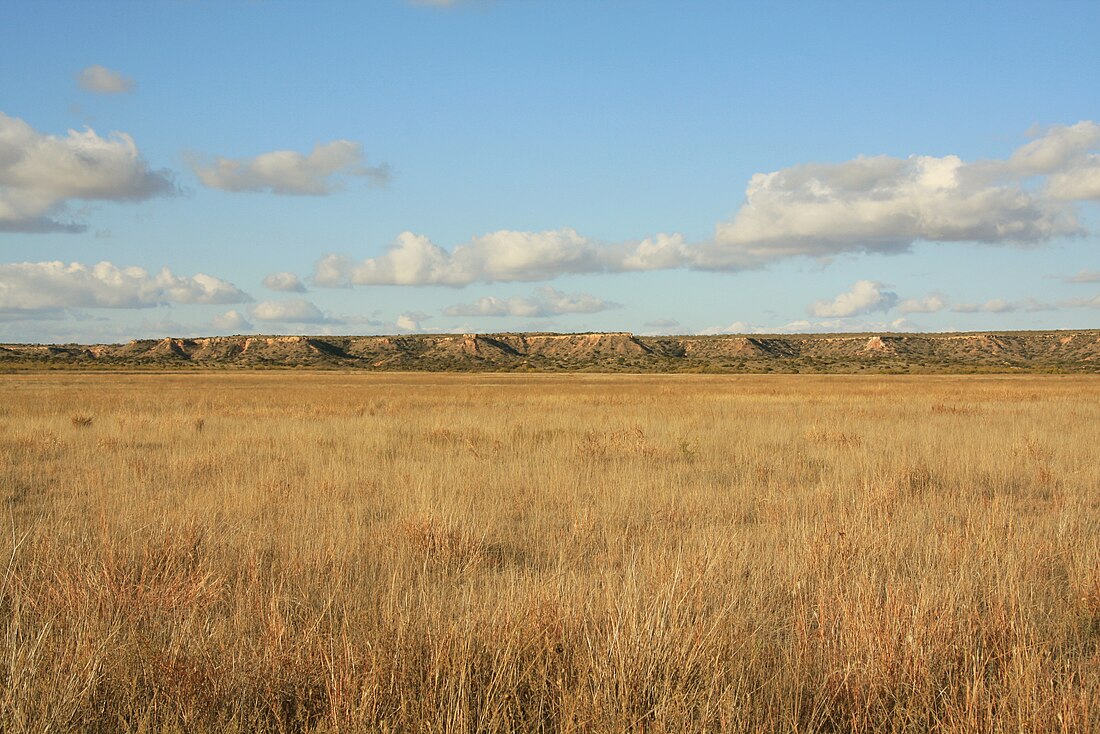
(243, 552)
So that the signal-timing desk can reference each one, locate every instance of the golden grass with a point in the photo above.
(235, 552)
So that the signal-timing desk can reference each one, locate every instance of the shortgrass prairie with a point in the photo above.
(330, 552)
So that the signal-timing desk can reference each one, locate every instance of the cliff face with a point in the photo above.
(1076, 351)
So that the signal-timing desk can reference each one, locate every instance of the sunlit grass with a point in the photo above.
(340, 552)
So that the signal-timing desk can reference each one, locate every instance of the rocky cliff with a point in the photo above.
(1066, 351)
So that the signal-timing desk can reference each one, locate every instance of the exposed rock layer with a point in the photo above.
(1076, 351)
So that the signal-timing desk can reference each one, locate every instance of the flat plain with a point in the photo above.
(330, 551)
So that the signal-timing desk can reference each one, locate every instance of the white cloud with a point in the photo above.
(493, 306)
(1059, 148)
(884, 204)
(39, 173)
(661, 252)
(200, 288)
(1084, 276)
(805, 326)
(998, 305)
(501, 256)
(866, 296)
(333, 271)
(495, 257)
(1063, 154)
(320, 172)
(555, 302)
(101, 80)
(859, 326)
(1001, 305)
(879, 204)
(1080, 182)
(232, 320)
(291, 311)
(876, 204)
(285, 282)
(1090, 302)
(411, 260)
(928, 304)
(54, 285)
(546, 302)
(1031, 304)
(411, 321)
(737, 327)
(845, 325)
(800, 326)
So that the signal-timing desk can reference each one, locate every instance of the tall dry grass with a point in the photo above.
(331, 552)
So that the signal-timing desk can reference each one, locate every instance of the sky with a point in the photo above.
(189, 168)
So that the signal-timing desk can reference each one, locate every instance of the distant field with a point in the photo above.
(357, 552)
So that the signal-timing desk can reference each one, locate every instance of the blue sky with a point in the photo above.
(200, 168)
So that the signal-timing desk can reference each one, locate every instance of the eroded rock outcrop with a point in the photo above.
(1009, 351)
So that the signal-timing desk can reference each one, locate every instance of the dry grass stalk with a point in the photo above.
(500, 553)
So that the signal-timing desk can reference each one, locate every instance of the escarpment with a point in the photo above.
(1039, 351)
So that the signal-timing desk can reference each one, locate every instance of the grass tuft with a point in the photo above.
(582, 553)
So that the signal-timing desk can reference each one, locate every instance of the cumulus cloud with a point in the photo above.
(885, 204)
(498, 256)
(1001, 305)
(737, 327)
(320, 172)
(285, 282)
(1084, 276)
(744, 327)
(1081, 182)
(411, 321)
(1088, 302)
(876, 204)
(660, 252)
(101, 80)
(805, 326)
(291, 311)
(1059, 147)
(880, 204)
(849, 326)
(866, 296)
(333, 271)
(555, 302)
(546, 302)
(1064, 153)
(928, 304)
(501, 256)
(40, 173)
(55, 285)
(493, 306)
(232, 320)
